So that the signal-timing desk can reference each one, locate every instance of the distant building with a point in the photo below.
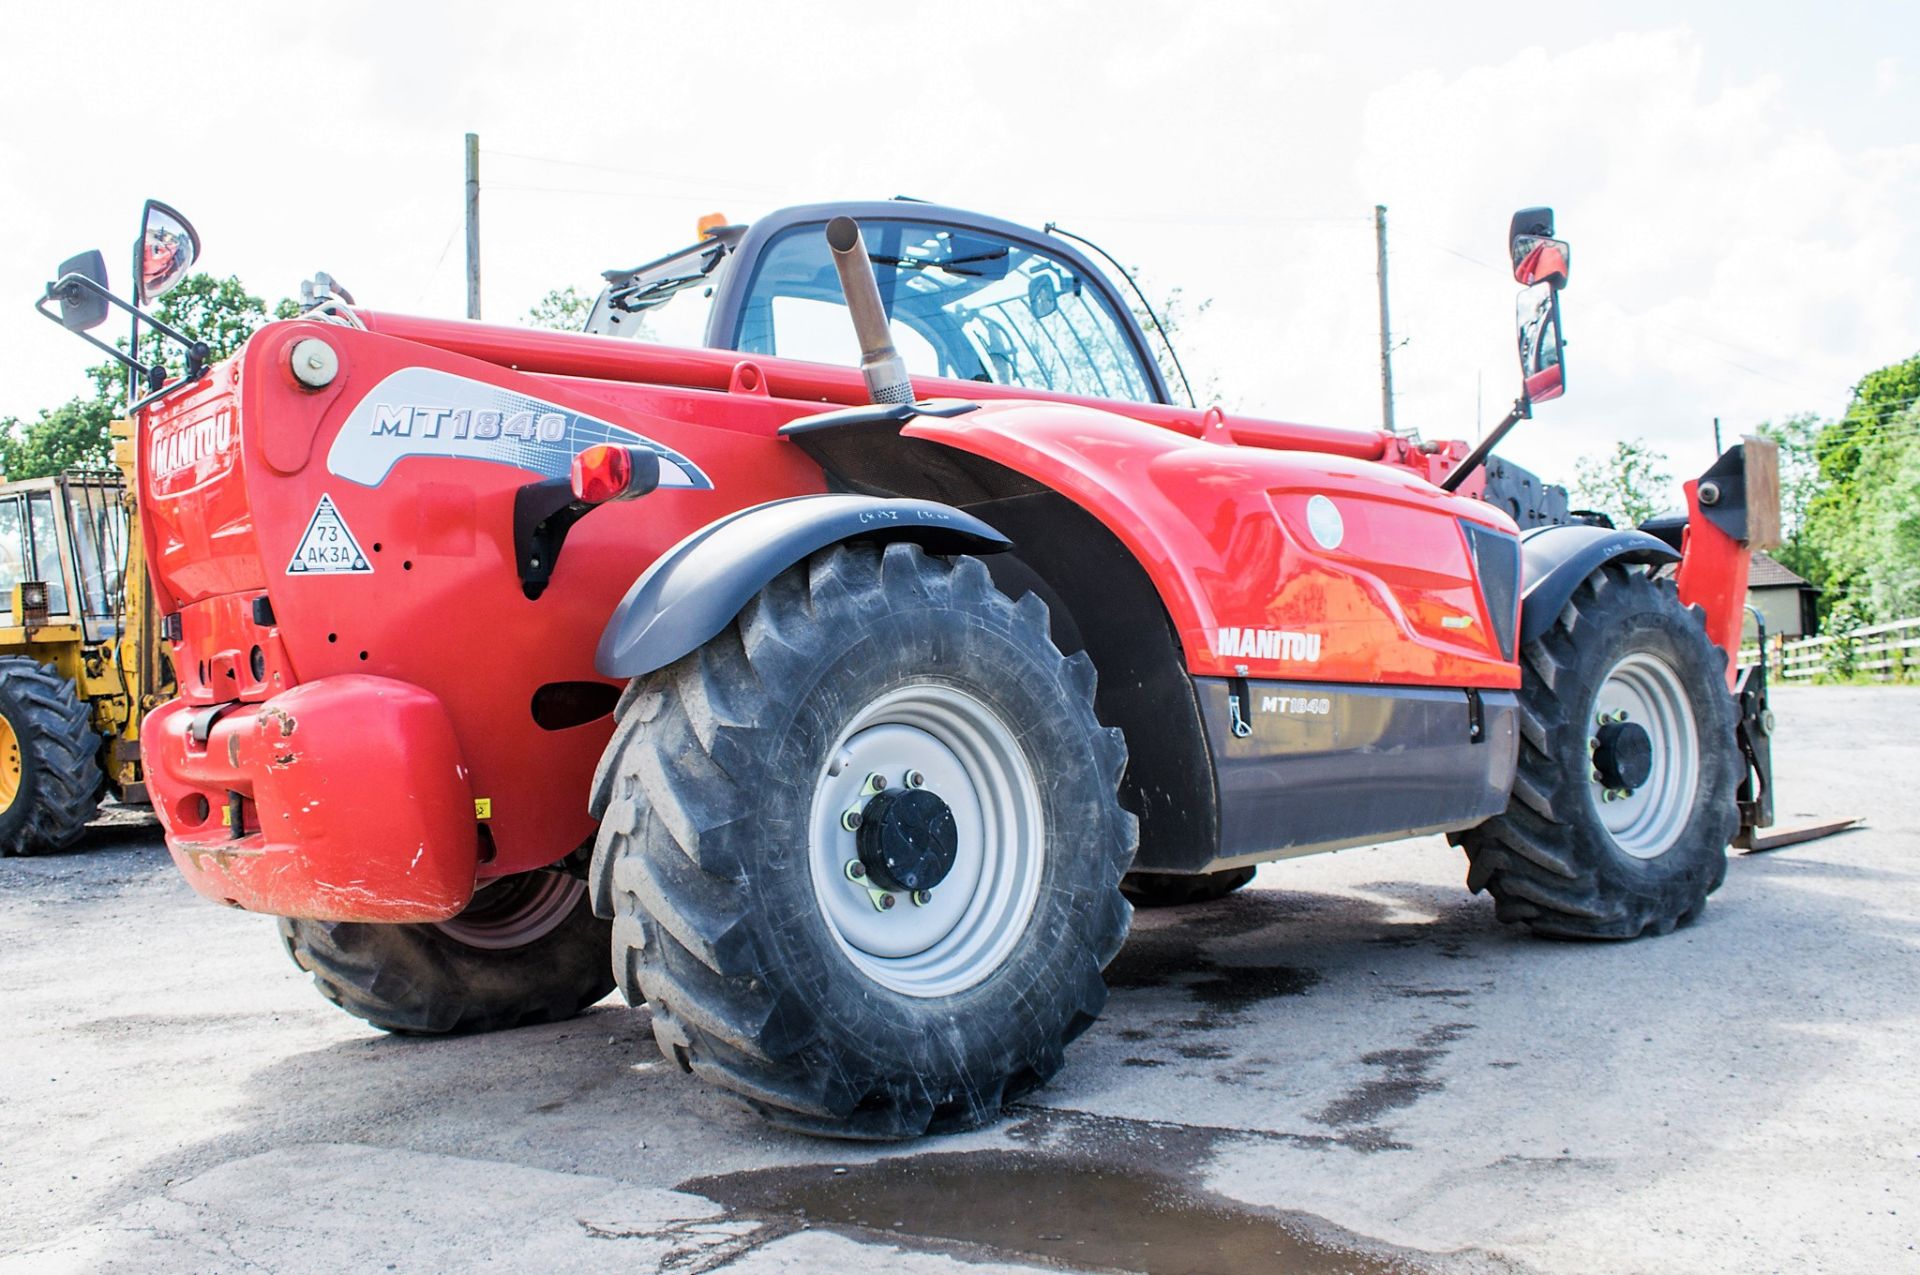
(1784, 600)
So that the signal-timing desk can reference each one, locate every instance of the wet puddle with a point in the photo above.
(1029, 1204)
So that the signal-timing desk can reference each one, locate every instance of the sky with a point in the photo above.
(1740, 182)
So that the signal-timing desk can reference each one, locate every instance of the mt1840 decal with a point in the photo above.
(418, 411)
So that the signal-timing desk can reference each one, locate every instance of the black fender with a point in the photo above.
(695, 589)
(1554, 560)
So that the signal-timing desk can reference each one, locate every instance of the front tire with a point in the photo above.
(786, 956)
(1625, 800)
(50, 773)
(527, 950)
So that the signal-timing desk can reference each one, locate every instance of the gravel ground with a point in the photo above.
(1348, 1067)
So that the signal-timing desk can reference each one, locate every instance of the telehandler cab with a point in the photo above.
(843, 710)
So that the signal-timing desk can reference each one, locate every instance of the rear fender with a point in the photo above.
(1554, 560)
(695, 589)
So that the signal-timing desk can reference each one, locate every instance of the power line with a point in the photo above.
(654, 195)
(703, 181)
(1624, 313)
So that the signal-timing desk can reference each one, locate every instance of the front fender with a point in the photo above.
(1223, 532)
(695, 589)
(1554, 560)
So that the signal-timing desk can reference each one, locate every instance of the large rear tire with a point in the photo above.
(863, 849)
(1629, 766)
(527, 950)
(49, 760)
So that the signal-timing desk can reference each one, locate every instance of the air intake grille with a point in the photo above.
(1496, 560)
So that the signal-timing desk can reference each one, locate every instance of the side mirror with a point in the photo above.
(1537, 256)
(1540, 261)
(1541, 342)
(168, 247)
(81, 307)
(1043, 297)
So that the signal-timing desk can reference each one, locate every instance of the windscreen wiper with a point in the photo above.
(947, 265)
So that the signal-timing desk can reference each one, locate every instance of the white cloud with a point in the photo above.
(1728, 261)
(1887, 78)
(1731, 257)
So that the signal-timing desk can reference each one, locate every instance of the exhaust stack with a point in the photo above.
(880, 363)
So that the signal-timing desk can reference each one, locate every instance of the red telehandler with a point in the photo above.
(837, 714)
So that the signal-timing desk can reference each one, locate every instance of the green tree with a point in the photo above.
(1629, 484)
(220, 312)
(71, 436)
(564, 309)
(1860, 520)
(1173, 316)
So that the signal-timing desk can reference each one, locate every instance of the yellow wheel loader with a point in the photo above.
(80, 657)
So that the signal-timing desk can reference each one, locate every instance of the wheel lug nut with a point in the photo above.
(886, 902)
(856, 870)
(851, 821)
(915, 779)
(922, 897)
(876, 783)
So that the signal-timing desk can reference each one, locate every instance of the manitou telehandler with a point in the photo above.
(834, 713)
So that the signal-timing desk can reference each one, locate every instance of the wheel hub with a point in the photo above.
(926, 843)
(1623, 754)
(10, 766)
(1645, 754)
(907, 839)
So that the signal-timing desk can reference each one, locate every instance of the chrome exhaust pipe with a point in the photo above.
(885, 371)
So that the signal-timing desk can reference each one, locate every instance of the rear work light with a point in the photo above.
(610, 472)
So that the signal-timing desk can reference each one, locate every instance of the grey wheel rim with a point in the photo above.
(516, 911)
(1647, 821)
(939, 738)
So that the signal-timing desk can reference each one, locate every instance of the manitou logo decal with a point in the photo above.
(180, 445)
(420, 412)
(1268, 644)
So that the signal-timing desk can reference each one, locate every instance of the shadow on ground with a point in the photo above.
(1265, 986)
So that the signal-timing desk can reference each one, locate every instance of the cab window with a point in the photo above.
(46, 550)
(13, 549)
(99, 523)
(962, 304)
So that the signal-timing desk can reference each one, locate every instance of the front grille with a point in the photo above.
(1496, 560)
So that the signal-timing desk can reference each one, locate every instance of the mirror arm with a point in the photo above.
(196, 350)
(1522, 410)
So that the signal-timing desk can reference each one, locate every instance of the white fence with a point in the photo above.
(1884, 652)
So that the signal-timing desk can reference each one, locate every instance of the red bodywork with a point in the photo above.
(378, 747)
(1713, 575)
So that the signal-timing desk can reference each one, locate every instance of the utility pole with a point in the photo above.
(1386, 331)
(1716, 436)
(473, 225)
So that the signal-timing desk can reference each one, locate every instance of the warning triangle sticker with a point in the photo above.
(328, 548)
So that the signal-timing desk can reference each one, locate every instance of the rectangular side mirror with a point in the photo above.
(1536, 255)
(81, 307)
(1540, 343)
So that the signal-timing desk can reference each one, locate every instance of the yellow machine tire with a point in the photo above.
(50, 773)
